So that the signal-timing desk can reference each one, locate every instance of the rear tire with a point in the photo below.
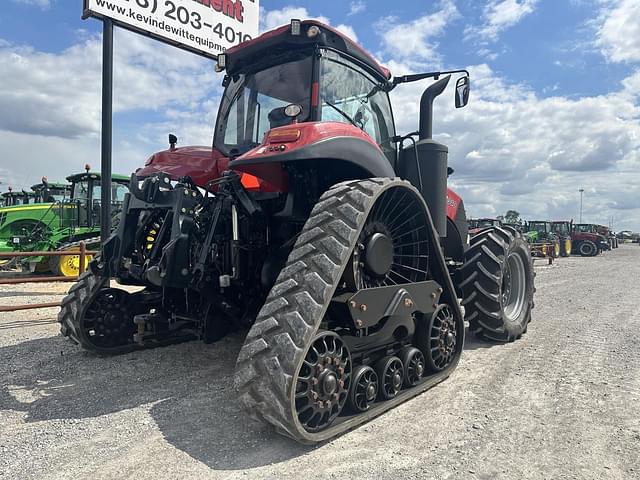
(497, 285)
(588, 249)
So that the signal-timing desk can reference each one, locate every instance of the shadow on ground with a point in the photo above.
(189, 387)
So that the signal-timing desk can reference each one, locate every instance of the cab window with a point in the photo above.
(348, 94)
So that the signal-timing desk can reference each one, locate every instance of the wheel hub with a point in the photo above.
(378, 254)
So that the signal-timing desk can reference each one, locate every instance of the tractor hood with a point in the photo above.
(202, 164)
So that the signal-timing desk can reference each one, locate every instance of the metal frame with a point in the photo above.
(82, 252)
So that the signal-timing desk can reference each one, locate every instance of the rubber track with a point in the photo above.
(73, 307)
(481, 284)
(291, 315)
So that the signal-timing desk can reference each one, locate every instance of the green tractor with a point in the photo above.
(11, 198)
(19, 211)
(563, 229)
(60, 223)
(541, 232)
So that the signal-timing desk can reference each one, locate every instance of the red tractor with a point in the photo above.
(587, 240)
(316, 227)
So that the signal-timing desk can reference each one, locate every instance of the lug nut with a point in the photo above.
(353, 304)
(314, 395)
(358, 323)
(408, 302)
(439, 290)
(433, 295)
(363, 308)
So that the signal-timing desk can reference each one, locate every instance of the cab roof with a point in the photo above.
(59, 186)
(280, 40)
(116, 177)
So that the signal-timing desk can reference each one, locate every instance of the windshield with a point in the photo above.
(253, 103)
(80, 190)
(537, 226)
(584, 228)
(560, 228)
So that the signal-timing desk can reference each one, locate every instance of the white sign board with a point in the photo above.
(206, 27)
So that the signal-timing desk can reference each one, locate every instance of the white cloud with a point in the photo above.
(59, 94)
(43, 4)
(498, 15)
(416, 39)
(356, 7)
(513, 149)
(618, 32)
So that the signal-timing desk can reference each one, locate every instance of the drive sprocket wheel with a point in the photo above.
(278, 342)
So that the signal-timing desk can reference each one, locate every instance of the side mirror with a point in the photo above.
(462, 91)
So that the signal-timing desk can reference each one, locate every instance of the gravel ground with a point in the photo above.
(563, 402)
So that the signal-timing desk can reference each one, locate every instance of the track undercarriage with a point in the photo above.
(362, 315)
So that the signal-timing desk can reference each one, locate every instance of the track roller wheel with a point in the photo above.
(322, 384)
(414, 365)
(364, 388)
(444, 339)
(390, 377)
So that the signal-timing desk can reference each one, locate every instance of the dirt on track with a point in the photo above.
(562, 402)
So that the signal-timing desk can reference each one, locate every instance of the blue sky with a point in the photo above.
(554, 103)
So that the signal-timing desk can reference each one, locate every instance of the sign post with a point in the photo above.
(204, 27)
(106, 140)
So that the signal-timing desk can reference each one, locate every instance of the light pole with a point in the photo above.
(581, 192)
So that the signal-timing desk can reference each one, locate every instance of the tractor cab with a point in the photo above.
(306, 91)
(85, 199)
(12, 199)
(562, 228)
(478, 224)
(46, 192)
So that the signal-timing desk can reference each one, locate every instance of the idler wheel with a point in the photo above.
(322, 384)
(414, 365)
(442, 348)
(364, 388)
(390, 377)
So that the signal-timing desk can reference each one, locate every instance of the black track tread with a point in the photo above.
(73, 305)
(294, 308)
(480, 282)
(73, 308)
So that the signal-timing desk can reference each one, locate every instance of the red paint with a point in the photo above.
(314, 94)
(202, 164)
(311, 132)
(453, 203)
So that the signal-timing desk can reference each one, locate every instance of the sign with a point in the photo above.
(205, 27)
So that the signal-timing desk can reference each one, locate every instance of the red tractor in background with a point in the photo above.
(587, 241)
(316, 227)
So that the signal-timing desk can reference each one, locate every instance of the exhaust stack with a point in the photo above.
(425, 165)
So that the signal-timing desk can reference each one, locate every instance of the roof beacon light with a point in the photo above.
(313, 31)
(296, 26)
(222, 62)
(87, 167)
